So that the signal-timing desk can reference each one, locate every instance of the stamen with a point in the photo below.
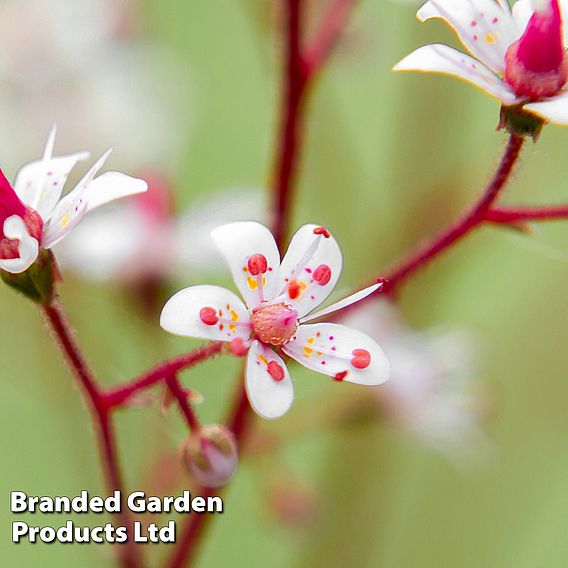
(276, 371)
(257, 266)
(322, 274)
(322, 231)
(361, 358)
(341, 376)
(209, 316)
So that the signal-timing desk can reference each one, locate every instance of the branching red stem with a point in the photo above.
(118, 396)
(181, 398)
(524, 214)
(334, 22)
(470, 221)
(129, 554)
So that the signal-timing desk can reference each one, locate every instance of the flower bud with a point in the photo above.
(38, 281)
(210, 455)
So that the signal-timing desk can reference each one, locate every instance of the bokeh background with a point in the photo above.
(191, 88)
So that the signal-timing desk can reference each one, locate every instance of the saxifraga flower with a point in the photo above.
(278, 297)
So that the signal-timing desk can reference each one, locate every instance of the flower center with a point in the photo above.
(274, 324)
(9, 248)
(536, 64)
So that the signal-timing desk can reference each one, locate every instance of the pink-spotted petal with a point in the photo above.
(28, 247)
(251, 253)
(268, 383)
(340, 352)
(206, 312)
(554, 109)
(485, 28)
(310, 269)
(72, 208)
(439, 58)
(39, 184)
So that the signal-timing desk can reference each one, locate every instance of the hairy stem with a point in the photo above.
(120, 395)
(128, 552)
(466, 224)
(181, 397)
(525, 214)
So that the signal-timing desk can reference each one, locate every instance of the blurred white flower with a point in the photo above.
(82, 65)
(142, 237)
(432, 392)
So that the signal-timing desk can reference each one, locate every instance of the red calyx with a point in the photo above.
(536, 64)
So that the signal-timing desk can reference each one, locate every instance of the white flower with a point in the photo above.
(432, 391)
(279, 297)
(519, 54)
(38, 216)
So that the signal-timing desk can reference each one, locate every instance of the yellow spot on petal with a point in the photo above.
(311, 340)
(490, 39)
(234, 316)
(65, 220)
(262, 359)
(252, 283)
(232, 328)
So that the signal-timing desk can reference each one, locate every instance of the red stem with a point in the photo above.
(509, 215)
(120, 395)
(333, 24)
(298, 78)
(129, 554)
(181, 397)
(287, 153)
(470, 221)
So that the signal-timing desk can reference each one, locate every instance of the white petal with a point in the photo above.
(269, 397)
(229, 318)
(310, 269)
(341, 352)
(522, 12)
(238, 243)
(555, 109)
(439, 58)
(110, 186)
(28, 247)
(484, 27)
(352, 299)
(40, 183)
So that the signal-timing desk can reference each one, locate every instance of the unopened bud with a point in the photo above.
(210, 455)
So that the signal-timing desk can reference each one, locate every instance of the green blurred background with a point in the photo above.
(389, 159)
